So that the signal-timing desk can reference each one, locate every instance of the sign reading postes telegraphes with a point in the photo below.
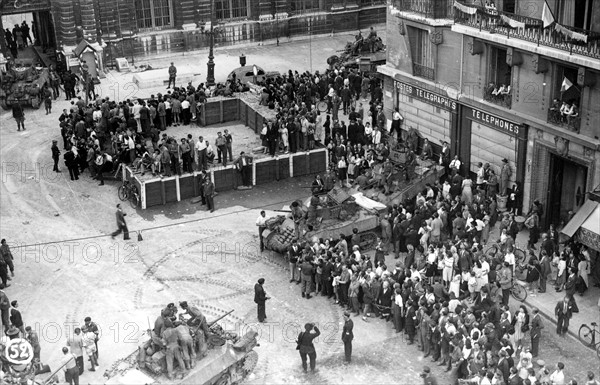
(427, 96)
(495, 122)
(18, 351)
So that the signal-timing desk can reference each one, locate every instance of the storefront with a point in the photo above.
(562, 170)
(584, 227)
(487, 138)
(432, 114)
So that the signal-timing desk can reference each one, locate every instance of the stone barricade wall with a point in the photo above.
(160, 191)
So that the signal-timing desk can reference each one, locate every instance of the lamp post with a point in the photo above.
(210, 75)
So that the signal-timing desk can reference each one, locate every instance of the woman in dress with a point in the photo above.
(431, 264)
(284, 137)
(467, 191)
(342, 168)
(521, 324)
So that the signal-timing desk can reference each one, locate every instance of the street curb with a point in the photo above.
(551, 319)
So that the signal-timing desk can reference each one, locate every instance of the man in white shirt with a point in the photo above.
(455, 164)
(201, 154)
(135, 110)
(261, 222)
(185, 112)
(558, 377)
(69, 366)
(376, 136)
(75, 343)
(510, 257)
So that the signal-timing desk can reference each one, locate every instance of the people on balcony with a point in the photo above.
(564, 110)
(555, 111)
(572, 114)
(499, 95)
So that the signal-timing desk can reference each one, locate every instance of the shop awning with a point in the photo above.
(589, 210)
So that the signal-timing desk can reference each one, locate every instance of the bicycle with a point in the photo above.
(519, 290)
(129, 191)
(587, 336)
(495, 250)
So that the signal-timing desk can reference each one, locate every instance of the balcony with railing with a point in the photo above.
(570, 122)
(432, 9)
(493, 21)
(501, 96)
(423, 72)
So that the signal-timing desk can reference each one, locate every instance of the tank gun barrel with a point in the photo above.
(212, 323)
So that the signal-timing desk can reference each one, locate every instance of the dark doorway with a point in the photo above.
(566, 189)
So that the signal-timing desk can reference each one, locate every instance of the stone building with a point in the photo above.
(490, 80)
(138, 28)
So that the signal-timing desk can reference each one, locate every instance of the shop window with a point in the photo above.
(564, 109)
(231, 9)
(303, 6)
(420, 48)
(499, 89)
(154, 14)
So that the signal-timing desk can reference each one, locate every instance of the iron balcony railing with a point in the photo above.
(423, 71)
(571, 123)
(486, 19)
(502, 99)
(433, 9)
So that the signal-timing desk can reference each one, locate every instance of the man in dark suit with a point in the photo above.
(504, 365)
(260, 297)
(483, 303)
(209, 192)
(121, 225)
(348, 336)
(512, 228)
(536, 331)
(306, 347)
(571, 288)
(563, 312)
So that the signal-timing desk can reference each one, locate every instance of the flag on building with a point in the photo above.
(566, 84)
(547, 16)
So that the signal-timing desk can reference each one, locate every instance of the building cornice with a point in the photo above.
(527, 46)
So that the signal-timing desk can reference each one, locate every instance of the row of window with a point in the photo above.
(566, 95)
(158, 14)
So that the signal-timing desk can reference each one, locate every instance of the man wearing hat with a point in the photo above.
(536, 331)
(306, 347)
(428, 378)
(55, 155)
(505, 173)
(260, 297)
(348, 336)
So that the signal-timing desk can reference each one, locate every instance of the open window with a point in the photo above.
(498, 89)
(564, 108)
(420, 49)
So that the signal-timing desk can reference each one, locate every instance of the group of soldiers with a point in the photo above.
(182, 337)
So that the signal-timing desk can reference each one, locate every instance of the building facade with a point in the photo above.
(141, 28)
(491, 80)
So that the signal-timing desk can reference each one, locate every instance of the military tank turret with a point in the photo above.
(23, 84)
(228, 360)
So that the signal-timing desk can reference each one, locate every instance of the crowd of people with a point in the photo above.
(18, 38)
(446, 294)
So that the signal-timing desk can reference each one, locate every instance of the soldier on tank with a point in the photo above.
(198, 322)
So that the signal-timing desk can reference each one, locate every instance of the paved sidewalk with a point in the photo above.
(589, 310)
(308, 54)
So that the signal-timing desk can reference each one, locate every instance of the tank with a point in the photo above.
(229, 360)
(337, 213)
(351, 58)
(23, 84)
